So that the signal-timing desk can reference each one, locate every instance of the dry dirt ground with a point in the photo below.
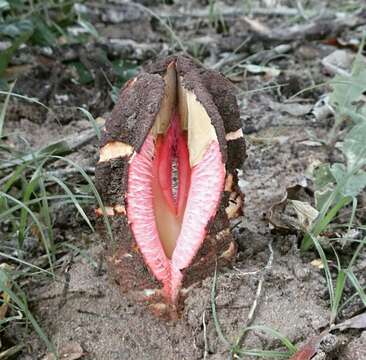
(294, 300)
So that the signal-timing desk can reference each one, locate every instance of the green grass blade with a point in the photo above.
(46, 215)
(20, 261)
(324, 218)
(330, 215)
(23, 97)
(3, 110)
(58, 148)
(14, 177)
(164, 24)
(214, 312)
(306, 243)
(94, 191)
(66, 199)
(36, 221)
(357, 286)
(92, 121)
(350, 299)
(353, 214)
(72, 197)
(9, 353)
(24, 308)
(356, 253)
(340, 283)
(274, 333)
(328, 275)
(263, 354)
(10, 319)
(23, 219)
(6, 55)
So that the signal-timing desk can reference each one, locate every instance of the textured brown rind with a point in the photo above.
(217, 95)
(130, 272)
(135, 111)
(191, 80)
(130, 122)
(223, 95)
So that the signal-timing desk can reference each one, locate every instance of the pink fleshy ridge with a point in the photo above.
(140, 211)
(206, 185)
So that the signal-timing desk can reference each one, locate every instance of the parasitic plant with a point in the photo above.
(167, 175)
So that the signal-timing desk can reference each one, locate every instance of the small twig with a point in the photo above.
(255, 302)
(246, 273)
(68, 172)
(224, 11)
(260, 285)
(205, 335)
(66, 273)
(228, 60)
(232, 57)
(214, 312)
(261, 57)
(258, 293)
(234, 226)
(230, 11)
(316, 29)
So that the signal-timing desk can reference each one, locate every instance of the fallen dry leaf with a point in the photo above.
(291, 215)
(306, 214)
(70, 351)
(307, 351)
(357, 322)
(338, 62)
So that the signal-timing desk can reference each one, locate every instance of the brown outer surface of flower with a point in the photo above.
(128, 126)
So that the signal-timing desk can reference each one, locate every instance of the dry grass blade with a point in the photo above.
(3, 110)
(214, 313)
(22, 305)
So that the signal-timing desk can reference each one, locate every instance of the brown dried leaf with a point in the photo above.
(338, 62)
(357, 322)
(70, 351)
(307, 351)
(294, 212)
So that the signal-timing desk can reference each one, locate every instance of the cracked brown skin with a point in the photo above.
(130, 122)
(135, 111)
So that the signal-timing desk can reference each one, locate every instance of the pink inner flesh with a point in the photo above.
(168, 229)
(169, 209)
